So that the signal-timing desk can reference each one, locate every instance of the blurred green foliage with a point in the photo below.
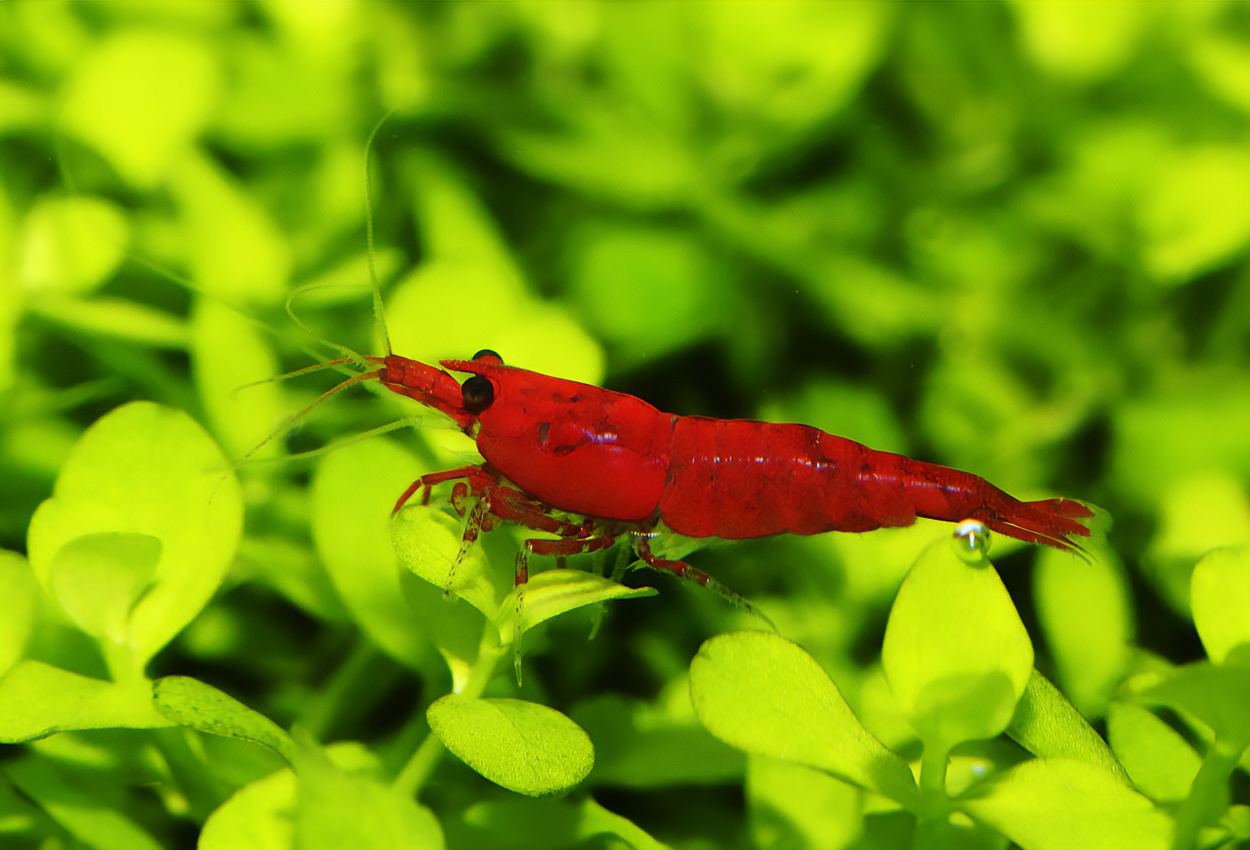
(1011, 237)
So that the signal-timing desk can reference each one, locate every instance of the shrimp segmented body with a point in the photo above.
(558, 446)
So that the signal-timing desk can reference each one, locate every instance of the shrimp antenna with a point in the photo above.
(346, 355)
(291, 420)
(406, 422)
(379, 310)
(297, 373)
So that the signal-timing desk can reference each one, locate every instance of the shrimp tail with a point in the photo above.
(1052, 522)
(937, 492)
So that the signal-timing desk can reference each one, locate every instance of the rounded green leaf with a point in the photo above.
(228, 357)
(193, 703)
(257, 816)
(646, 289)
(237, 250)
(20, 593)
(75, 809)
(426, 316)
(1086, 612)
(956, 654)
(336, 809)
(428, 540)
(1047, 725)
(98, 577)
(523, 746)
(553, 592)
(1161, 762)
(353, 491)
(39, 700)
(147, 470)
(1215, 694)
(1197, 212)
(72, 244)
(795, 806)
(761, 693)
(1056, 804)
(1219, 595)
(120, 318)
(170, 84)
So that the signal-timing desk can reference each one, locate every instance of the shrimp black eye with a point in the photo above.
(487, 353)
(478, 393)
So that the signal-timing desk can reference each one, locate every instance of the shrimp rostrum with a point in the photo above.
(555, 448)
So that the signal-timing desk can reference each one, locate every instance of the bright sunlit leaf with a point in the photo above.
(523, 746)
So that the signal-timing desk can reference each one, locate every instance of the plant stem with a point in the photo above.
(933, 811)
(120, 661)
(321, 709)
(419, 767)
(1208, 796)
(933, 772)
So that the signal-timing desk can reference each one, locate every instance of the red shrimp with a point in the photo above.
(556, 446)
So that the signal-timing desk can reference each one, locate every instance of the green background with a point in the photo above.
(1007, 237)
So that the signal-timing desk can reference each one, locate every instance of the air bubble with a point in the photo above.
(972, 540)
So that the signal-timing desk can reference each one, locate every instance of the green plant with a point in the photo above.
(144, 520)
(1010, 237)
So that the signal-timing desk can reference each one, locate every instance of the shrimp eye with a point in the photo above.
(478, 393)
(486, 353)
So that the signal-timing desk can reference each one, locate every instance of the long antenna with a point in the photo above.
(379, 311)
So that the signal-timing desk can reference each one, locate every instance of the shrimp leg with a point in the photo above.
(642, 545)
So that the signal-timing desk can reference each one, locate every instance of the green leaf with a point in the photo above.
(1197, 484)
(1047, 725)
(20, 593)
(956, 654)
(963, 707)
(258, 816)
(525, 747)
(1197, 212)
(790, 66)
(1057, 804)
(455, 626)
(336, 809)
(1077, 43)
(471, 262)
(190, 702)
(1216, 695)
(1086, 612)
(228, 356)
(89, 819)
(171, 82)
(37, 700)
(427, 541)
(1161, 763)
(639, 745)
(72, 244)
(238, 252)
(1220, 599)
(760, 693)
(553, 592)
(353, 491)
(425, 314)
(519, 823)
(115, 318)
(98, 577)
(262, 814)
(1200, 511)
(791, 805)
(646, 289)
(145, 469)
(621, 157)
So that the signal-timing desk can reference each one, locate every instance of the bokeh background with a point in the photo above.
(1009, 237)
